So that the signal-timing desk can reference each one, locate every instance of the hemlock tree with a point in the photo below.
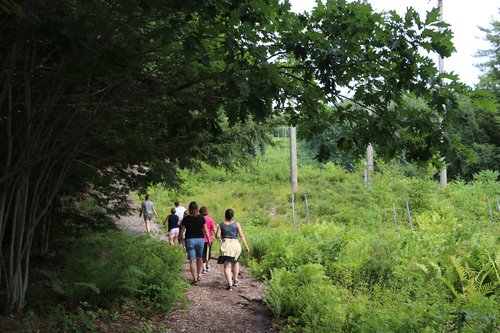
(98, 98)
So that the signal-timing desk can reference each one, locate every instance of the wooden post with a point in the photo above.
(394, 213)
(365, 173)
(293, 159)
(369, 162)
(489, 209)
(162, 186)
(307, 209)
(409, 215)
(293, 168)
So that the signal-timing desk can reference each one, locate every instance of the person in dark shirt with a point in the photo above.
(196, 229)
(173, 227)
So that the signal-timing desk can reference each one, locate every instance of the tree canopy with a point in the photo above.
(101, 97)
(475, 124)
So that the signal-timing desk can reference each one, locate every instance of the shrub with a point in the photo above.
(303, 298)
(108, 269)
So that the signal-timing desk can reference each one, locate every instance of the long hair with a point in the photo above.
(229, 214)
(193, 208)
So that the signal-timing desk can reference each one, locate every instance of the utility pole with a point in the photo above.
(443, 176)
(368, 172)
(369, 163)
(293, 158)
(293, 168)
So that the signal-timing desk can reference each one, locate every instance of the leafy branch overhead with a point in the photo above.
(164, 73)
(101, 97)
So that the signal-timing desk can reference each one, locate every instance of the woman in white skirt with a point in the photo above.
(230, 248)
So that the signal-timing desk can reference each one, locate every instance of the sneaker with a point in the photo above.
(205, 271)
(208, 268)
(236, 282)
(230, 288)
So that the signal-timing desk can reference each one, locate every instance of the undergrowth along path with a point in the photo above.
(210, 307)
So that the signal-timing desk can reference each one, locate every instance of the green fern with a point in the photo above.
(472, 283)
(494, 263)
(91, 286)
(55, 282)
(275, 293)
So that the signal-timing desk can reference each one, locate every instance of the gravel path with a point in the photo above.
(211, 308)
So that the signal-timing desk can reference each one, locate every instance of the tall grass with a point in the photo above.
(357, 266)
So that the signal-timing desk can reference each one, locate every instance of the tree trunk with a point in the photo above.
(40, 146)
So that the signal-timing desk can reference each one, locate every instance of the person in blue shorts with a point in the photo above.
(196, 229)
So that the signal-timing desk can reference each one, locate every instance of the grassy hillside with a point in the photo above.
(358, 266)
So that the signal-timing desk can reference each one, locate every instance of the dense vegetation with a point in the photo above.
(359, 266)
(355, 265)
(107, 282)
(100, 98)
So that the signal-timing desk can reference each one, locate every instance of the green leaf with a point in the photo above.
(90, 286)
(432, 16)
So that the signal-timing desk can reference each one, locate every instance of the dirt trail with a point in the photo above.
(211, 308)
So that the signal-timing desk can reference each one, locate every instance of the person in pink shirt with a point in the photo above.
(208, 240)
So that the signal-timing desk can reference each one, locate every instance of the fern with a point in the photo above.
(494, 263)
(449, 285)
(55, 282)
(90, 286)
(462, 271)
(472, 283)
(275, 292)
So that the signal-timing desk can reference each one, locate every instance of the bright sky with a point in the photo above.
(463, 15)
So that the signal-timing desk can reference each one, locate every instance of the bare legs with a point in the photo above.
(231, 271)
(236, 269)
(192, 268)
(206, 256)
(199, 265)
(228, 273)
(172, 240)
(147, 225)
(195, 266)
(182, 241)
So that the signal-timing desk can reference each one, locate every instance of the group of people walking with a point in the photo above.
(195, 231)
